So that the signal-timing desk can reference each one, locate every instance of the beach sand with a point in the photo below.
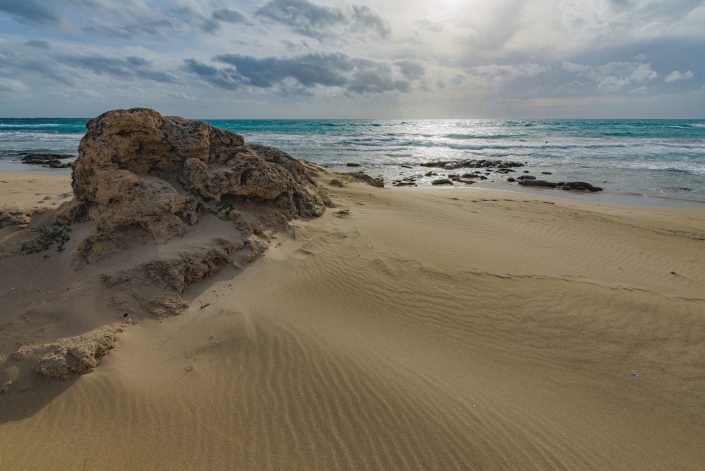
(404, 329)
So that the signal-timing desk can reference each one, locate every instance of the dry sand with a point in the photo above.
(419, 329)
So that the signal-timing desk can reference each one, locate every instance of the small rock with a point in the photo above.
(511, 180)
(539, 183)
(441, 181)
(352, 164)
(526, 177)
(337, 183)
(578, 186)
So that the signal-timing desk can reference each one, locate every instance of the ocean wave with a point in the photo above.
(19, 125)
(480, 136)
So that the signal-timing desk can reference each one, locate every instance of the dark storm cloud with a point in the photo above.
(353, 75)
(226, 78)
(30, 11)
(309, 70)
(316, 21)
(132, 67)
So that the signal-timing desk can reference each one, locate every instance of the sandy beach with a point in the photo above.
(403, 329)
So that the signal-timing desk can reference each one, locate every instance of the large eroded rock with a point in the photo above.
(139, 169)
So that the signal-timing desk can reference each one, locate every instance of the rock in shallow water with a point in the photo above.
(46, 160)
(568, 186)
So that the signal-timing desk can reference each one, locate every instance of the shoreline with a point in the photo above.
(605, 197)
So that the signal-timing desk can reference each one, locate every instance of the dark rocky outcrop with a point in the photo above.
(472, 163)
(442, 181)
(46, 160)
(539, 183)
(578, 186)
(568, 186)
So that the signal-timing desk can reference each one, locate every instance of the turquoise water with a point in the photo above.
(655, 158)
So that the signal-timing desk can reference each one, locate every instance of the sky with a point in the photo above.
(389, 59)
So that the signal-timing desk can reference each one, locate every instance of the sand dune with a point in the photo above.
(426, 329)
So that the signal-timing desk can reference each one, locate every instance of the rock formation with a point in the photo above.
(139, 169)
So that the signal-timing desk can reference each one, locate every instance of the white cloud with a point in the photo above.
(677, 75)
(614, 76)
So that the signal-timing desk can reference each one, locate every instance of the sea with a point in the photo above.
(645, 159)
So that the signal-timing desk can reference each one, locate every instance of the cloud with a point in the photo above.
(133, 67)
(410, 69)
(677, 75)
(315, 21)
(302, 16)
(364, 18)
(226, 78)
(38, 44)
(10, 86)
(211, 23)
(630, 19)
(334, 70)
(143, 26)
(227, 15)
(31, 12)
(499, 73)
(614, 76)
(29, 61)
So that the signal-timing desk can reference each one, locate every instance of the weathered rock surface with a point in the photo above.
(139, 169)
(377, 182)
(14, 217)
(80, 354)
